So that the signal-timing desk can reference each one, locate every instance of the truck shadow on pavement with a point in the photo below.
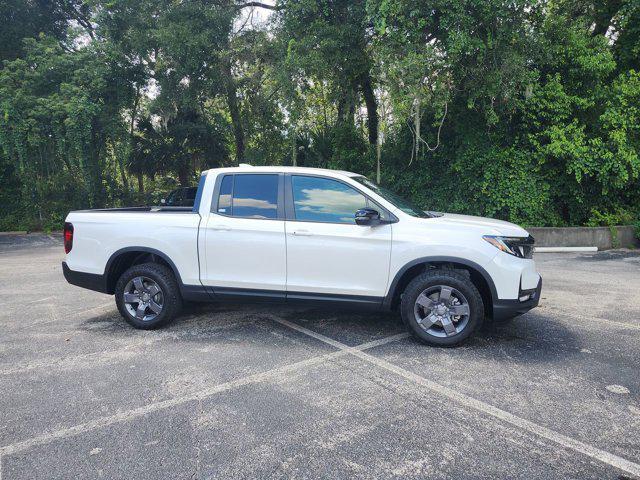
(531, 338)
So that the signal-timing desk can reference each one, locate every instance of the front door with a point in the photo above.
(245, 252)
(327, 253)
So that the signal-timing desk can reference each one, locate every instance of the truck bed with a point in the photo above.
(99, 234)
(154, 209)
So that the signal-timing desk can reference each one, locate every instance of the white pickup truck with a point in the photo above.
(288, 234)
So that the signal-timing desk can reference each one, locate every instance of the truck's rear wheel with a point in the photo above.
(147, 296)
(442, 307)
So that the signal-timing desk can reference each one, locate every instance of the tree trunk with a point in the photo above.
(604, 16)
(97, 169)
(123, 175)
(342, 108)
(184, 174)
(234, 111)
(372, 107)
(346, 106)
(140, 183)
(378, 152)
(134, 112)
(416, 120)
(294, 151)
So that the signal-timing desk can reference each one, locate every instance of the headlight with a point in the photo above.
(521, 247)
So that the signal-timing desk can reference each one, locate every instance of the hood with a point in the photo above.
(486, 226)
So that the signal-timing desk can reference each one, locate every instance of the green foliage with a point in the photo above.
(610, 219)
(527, 111)
(22, 19)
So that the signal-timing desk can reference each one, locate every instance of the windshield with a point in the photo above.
(403, 204)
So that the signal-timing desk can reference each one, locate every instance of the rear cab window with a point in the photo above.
(249, 196)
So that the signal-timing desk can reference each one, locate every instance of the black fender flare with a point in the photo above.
(196, 293)
(152, 251)
(388, 299)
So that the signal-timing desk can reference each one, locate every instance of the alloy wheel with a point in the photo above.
(442, 311)
(143, 298)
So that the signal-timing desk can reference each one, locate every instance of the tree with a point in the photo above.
(330, 40)
(22, 19)
(521, 110)
(60, 112)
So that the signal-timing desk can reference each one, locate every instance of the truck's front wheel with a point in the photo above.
(147, 296)
(442, 307)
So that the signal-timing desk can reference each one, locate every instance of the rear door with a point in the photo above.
(328, 255)
(245, 250)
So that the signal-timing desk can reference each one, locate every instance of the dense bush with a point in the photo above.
(527, 111)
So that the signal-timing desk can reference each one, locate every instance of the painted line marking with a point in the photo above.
(104, 305)
(467, 401)
(591, 320)
(73, 360)
(57, 316)
(137, 347)
(80, 313)
(198, 395)
(38, 301)
(66, 361)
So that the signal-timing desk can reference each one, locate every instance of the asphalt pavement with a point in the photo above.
(264, 391)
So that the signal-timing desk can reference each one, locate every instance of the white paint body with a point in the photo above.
(209, 249)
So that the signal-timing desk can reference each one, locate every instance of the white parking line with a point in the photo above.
(99, 307)
(467, 401)
(77, 361)
(198, 395)
(592, 321)
(38, 301)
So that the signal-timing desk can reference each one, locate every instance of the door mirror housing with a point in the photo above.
(367, 217)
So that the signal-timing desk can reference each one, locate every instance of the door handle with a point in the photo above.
(221, 228)
(302, 233)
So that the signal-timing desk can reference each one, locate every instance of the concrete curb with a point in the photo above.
(565, 249)
(600, 237)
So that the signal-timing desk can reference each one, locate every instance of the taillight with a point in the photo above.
(68, 237)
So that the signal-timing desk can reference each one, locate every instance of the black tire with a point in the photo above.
(431, 279)
(165, 280)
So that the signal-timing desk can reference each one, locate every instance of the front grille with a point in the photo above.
(523, 247)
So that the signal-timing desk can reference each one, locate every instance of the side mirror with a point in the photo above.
(367, 217)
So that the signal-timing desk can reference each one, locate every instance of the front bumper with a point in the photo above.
(507, 309)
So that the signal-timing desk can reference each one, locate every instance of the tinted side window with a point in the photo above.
(177, 198)
(325, 200)
(255, 196)
(224, 200)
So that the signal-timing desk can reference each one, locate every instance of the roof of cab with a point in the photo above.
(245, 168)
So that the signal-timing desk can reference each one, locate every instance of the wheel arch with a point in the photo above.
(478, 275)
(126, 257)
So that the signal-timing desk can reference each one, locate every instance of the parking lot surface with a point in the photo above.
(263, 391)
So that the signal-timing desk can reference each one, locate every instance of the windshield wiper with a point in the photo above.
(431, 214)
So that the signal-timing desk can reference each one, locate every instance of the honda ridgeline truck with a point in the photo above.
(288, 234)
